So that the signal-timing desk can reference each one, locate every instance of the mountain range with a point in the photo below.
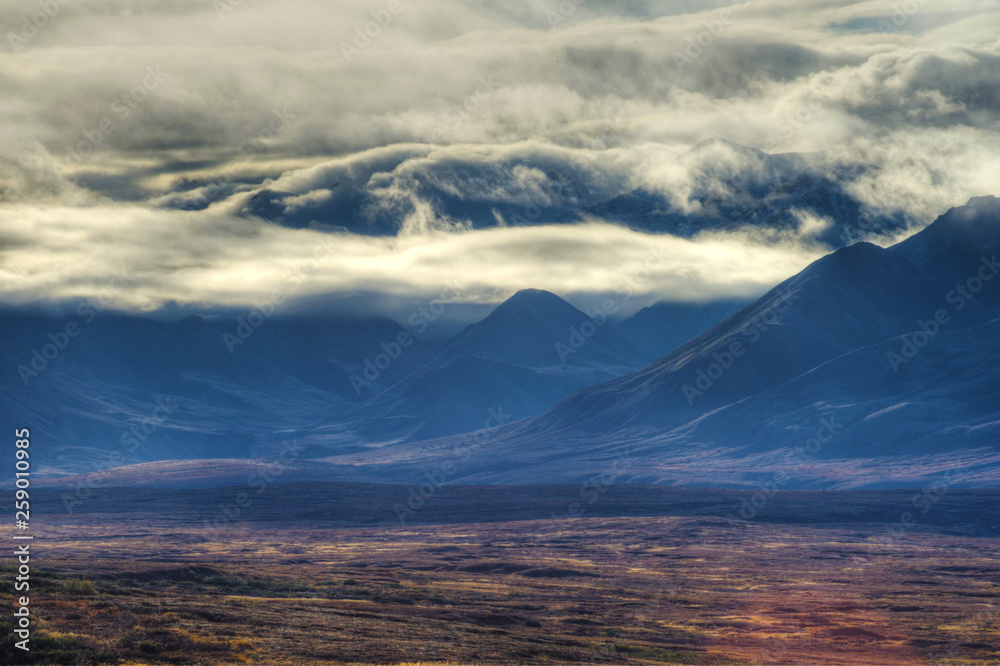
(873, 366)
(346, 383)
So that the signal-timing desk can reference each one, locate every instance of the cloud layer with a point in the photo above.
(232, 262)
(169, 137)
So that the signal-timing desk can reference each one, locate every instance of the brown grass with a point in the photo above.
(636, 590)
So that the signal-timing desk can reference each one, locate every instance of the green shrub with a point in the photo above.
(79, 586)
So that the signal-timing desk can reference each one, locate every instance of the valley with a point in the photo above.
(324, 573)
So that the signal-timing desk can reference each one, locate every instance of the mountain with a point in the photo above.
(945, 398)
(734, 186)
(327, 352)
(879, 363)
(958, 250)
(536, 328)
(661, 327)
(531, 351)
(121, 388)
(234, 388)
(974, 225)
(205, 473)
(882, 368)
(857, 295)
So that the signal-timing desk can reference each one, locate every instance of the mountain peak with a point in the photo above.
(534, 307)
(857, 251)
(192, 322)
(858, 263)
(717, 142)
(984, 201)
(855, 256)
(532, 293)
(977, 223)
(720, 141)
(528, 328)
(533, 296)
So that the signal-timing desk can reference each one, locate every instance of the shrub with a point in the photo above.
(79, 586)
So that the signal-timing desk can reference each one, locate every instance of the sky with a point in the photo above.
(204, 154)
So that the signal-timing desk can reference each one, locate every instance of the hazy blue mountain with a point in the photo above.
(534, 328)
(886, 355)
(855, 296)
(327, 352)
(976, 224)
(896, 346)
(235, 388)
(531, 351)
(945, 398)
(661, 327)
(118, 372)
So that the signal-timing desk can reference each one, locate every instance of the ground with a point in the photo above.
(144, 583)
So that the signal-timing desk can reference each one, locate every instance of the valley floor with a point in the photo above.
(140, 577)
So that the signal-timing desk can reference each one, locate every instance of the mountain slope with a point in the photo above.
(943, 399)
(661, 327)
(858, 295)
(130, 389)
(975, 224)
(528, 328)
(864, 357)
(531, 351)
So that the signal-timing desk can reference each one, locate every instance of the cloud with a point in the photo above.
(398, 132)
(203, 258)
